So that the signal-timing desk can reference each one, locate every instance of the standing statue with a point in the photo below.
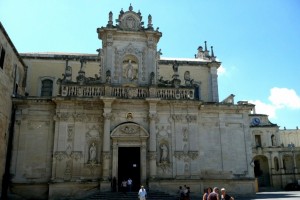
(175, 66)
(129, 70)
(164, 153)
(93, 152)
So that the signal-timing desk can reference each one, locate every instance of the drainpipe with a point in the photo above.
(6, 176)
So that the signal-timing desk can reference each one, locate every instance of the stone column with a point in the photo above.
(214, 94)
(106, 158)
(152, 148)
(143, 162)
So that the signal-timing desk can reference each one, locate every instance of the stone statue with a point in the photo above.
(93, 152)
(129, 73)
(164, 153)
(108, 76)
(152, 75)
(175, 66)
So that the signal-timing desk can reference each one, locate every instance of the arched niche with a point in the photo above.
(130, 69)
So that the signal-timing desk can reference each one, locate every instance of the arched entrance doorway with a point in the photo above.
(261, 170)
(129, 142)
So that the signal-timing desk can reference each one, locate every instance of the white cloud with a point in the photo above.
(263, 108)
(221, 70)
(284, 98)
(280, 98)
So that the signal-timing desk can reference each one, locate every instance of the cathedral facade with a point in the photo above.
(126, 112)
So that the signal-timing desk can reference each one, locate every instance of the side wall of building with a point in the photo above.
(12, 74)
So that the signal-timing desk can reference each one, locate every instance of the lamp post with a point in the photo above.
(291, 146)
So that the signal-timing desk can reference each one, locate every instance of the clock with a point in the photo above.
(255, 121)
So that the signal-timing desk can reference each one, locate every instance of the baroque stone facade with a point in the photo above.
(126, 112)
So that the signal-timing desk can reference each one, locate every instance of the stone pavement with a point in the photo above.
(279, 195)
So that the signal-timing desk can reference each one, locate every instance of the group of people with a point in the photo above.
(126, 185)
(213, 194)
(184, 192)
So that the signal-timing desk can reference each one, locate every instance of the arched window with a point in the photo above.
(47, 87)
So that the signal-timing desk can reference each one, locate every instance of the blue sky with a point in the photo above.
(257, 41)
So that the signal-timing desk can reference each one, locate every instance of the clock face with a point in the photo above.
(255, 121)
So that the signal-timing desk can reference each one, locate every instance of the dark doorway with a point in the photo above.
(129, 166)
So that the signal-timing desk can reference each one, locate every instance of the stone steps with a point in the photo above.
(153, 195)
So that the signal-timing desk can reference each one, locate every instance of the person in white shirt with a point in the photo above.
(142, 193)
(129, 184)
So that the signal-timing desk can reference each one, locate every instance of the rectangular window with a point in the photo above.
(47, 86)
(2, 55)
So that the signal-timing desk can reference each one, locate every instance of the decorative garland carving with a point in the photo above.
(152, 155)
(181, 155)
(177, 118)
(63, 116)
(191, 118)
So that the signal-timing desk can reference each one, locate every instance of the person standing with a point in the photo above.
(214, 195)
(124, 186)
(207, 191)
(142, 193)
(225, 196)
(129, 184)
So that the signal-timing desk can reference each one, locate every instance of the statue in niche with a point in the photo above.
(108, 76)
(152, 75)
(93, 152)
(130, 72)
(164, 153)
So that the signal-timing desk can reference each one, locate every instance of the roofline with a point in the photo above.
(11, 44)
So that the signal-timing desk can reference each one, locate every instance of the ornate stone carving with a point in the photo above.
(76, 155)
(106, 155)
(92, 166)
(93, 153)
(68, 154)
(68, 170)
(152, 155)
(163, 131)
(60, 155)
(79, 117)
(63, 116)
(153, 116)
(108, 116)
(185, 133)
(164, 153)
(129, 116)
(32, 125)
(191, 118)
(177, 118)
(129, 130)
(70, 132)
(164, 166)
(181, 155)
